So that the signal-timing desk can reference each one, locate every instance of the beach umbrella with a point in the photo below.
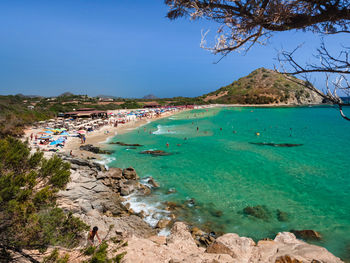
(48, 132)
(45, 137)
(81, 131)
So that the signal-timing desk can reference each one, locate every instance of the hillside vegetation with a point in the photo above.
(264, 86)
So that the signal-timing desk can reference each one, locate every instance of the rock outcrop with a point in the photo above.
(94, 195)
(181, 247)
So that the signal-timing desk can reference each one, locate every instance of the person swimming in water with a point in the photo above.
(167, 145)
(92, 235)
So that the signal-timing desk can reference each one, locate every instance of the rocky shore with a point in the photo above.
(96, 196)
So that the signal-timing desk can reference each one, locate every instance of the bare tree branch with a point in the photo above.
(244, 23)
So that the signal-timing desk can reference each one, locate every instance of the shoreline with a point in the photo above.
(100, 137)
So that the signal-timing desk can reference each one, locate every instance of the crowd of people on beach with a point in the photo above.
(52, 135)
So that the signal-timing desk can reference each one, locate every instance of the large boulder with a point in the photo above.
(163, 223)
(130, 174)
(237, 247)
(126, 189)
(115, 173)
(181, 238)
(152, 182)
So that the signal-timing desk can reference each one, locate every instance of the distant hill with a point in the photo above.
(264, 86)
(150, 97)
(27, 96)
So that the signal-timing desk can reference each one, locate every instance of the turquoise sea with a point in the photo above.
(224, 173)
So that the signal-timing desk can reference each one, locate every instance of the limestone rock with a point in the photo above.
(307, 234)
(115, 173)
(181, 238)
(163, 223)
(152, 182)
(130, 174)
(232, 244)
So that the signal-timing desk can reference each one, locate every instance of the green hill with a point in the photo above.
(264, 86)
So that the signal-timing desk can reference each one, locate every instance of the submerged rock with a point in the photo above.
(156, 153)
(171, 206)
(126, 144)
(276, 144)
(259, 211)
(307, 234)
(216, 213)
(94, 149)
(282, 216)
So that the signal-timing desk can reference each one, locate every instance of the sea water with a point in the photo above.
(223, 172)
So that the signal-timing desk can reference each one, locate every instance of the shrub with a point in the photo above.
(28, 213)
(119, 257)
(100, 256)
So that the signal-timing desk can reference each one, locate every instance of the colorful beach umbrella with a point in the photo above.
(82, 132)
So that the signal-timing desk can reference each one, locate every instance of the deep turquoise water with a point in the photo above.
(222, 171)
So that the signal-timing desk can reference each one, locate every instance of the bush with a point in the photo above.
(28, 212)
(100, 256)
(56, 171)
(55, 258)
(119, 257)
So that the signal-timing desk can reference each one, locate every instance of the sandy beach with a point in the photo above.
(98, 137)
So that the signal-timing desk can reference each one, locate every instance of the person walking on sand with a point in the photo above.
(31, 136)
(92, 235)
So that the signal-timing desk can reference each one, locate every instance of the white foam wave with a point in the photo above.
(105, 161)
(164, 130)
(164, 232)
(145, 180)
(152, 211)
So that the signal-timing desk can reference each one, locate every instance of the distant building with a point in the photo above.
(151, 104)
(30, 107)
(86, 113)
(105, 99)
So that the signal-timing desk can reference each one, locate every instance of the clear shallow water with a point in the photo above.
(222, 171)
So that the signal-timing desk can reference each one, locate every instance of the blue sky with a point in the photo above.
(121, 48)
